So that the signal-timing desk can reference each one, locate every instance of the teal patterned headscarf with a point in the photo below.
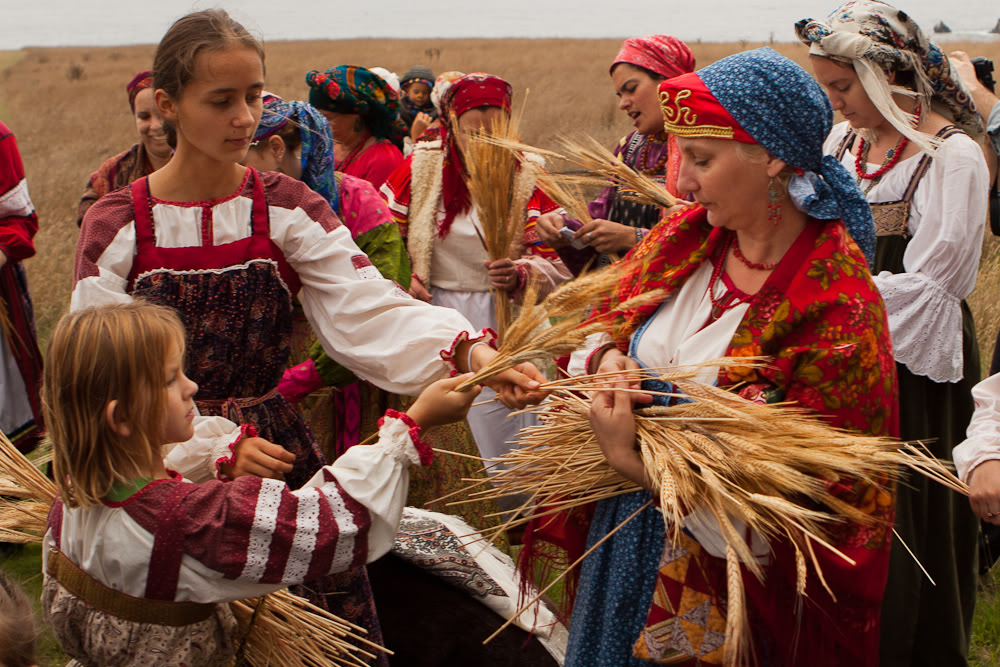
(317, 142)
(356, 89)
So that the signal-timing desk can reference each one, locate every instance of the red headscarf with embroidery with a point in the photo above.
(139, 83)
(469, 92)
(662, 54)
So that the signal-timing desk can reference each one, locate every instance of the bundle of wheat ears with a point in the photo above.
(277, 630)
(496, 181)
(770, 467)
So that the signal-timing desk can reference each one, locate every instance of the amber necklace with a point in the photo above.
(658, 167)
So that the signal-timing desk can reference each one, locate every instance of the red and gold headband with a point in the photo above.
(690, 110)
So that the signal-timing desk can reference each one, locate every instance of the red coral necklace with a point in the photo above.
(892, 157)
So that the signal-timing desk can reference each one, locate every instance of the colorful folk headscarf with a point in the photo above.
(442, 84)
(356, 89)
(468, 92)
(764, 98)
(663, 54)
(139, 83)
(877, 38)
(317, 142)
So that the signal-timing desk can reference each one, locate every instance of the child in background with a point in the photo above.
(131, 536)
(17, 626)
(418, 112)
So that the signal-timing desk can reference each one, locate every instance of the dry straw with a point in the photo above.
(277, 630)
(493, 175)
(530, 336)
(769, 466)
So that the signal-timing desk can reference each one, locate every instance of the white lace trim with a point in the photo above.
(394, 438)
(926, 325)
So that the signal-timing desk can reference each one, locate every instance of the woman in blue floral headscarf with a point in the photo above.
(363, 111)
(911, 141)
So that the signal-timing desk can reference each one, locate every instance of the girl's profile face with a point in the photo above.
(219, 108)
(179, 423)
(847, 94)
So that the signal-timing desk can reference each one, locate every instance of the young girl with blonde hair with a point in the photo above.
(230, 248)
(137, 559)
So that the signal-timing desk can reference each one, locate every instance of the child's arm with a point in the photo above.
(222, 449)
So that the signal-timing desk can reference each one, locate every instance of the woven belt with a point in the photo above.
(137, 610)
(231, 406)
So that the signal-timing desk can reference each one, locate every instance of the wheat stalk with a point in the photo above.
(770, 466)
(287, 631)
(492, 178)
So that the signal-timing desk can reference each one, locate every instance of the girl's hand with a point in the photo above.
(258, 457)
(548, 226)
(607, 237)
(503, 274)
(418, 291)
(984, 491)
(516, 387)
(441, 404)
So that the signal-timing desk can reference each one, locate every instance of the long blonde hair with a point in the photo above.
(98, 355)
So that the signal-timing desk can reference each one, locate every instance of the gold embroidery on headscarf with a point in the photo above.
(681, 121)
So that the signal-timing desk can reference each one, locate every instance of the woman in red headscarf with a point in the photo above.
(145, 157)
(430, 202)
(619, 222)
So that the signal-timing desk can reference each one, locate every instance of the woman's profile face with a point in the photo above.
(149, 125)
(847, 94)
(732, 188)
(639, 97)
(345, 127)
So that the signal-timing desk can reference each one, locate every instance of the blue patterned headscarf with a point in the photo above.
(317, 142)
(783, 109)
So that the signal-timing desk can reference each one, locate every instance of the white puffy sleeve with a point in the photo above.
(982, 442)
(941, 261)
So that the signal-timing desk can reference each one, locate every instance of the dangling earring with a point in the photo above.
(773, 203)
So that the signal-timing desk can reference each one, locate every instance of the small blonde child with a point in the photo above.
(137, 559)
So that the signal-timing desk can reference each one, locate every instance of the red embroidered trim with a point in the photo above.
(423, 449)
(246, 431)
(206, 202)
(486, 335)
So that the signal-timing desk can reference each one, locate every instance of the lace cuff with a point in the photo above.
(399, 436)
(224, 448)
(485, 335)
(926, 325)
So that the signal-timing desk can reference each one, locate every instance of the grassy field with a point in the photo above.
(69, 110)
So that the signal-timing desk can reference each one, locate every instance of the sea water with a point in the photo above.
(120, 22)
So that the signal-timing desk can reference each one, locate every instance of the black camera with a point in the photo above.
(984, 72)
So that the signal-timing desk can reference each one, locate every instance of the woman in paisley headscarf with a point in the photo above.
(149, 154)
(619, 222)
(363, 111)
(911, 141)
(770, 262)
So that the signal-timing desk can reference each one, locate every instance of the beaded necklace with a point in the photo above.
(658, 167)
(728, 299)
(892, 157)
(762, 266)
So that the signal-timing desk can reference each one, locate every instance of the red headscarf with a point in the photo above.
(139, 83)
(469, 92)
(663, 54)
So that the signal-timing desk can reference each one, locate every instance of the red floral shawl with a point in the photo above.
(822, 323)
